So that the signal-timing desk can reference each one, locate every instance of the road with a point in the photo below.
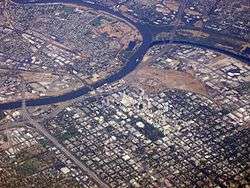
(59, 146)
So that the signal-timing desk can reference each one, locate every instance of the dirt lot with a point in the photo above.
(154, 80)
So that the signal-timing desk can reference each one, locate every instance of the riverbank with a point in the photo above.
(132, 62)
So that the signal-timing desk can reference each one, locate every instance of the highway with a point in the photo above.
(59, 146)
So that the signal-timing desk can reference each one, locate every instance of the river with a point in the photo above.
(133, 61)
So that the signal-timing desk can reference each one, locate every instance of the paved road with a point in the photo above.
(59, 146)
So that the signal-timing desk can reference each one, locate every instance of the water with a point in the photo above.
(134, 60)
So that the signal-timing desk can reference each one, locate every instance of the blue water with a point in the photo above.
(134, 60)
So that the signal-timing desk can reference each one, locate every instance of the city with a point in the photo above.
(136, 93)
